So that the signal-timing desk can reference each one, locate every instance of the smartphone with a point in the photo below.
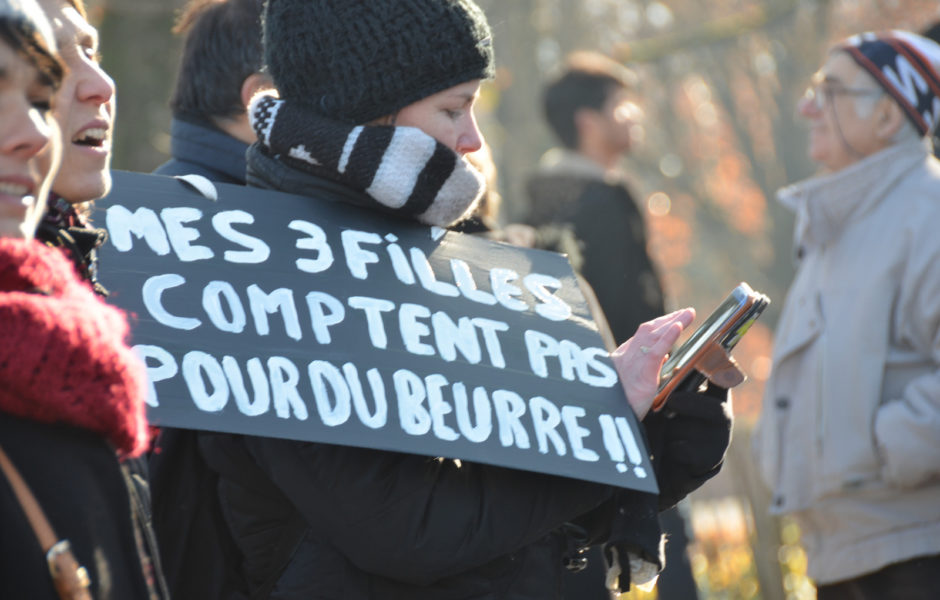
(725, 326)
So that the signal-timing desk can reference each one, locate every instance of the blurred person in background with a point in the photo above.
(849, 435)
(579, 186)
(581, 205)
(219, 72)
(71, 390)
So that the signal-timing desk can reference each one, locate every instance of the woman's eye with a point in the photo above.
(91, 53)
(454, 114)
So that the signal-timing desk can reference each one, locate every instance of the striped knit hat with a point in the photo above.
(400, 170)
(907, 66)
(358, 60)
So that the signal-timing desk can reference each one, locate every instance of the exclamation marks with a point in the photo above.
(617, 437)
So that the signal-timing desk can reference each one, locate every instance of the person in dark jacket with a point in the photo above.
(579, 187)
(71, 395)
(220, 70)
(376, 109)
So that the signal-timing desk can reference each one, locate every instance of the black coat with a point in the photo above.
(611, 241)
(77, 479)
(385, 525)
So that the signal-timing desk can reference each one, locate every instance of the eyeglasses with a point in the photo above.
(821, 93)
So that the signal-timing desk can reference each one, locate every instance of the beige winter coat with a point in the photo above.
(849, 439)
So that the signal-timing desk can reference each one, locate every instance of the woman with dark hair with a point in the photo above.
(71, 391)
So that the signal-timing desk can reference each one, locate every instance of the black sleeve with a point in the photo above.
(417, 519)
(688, 439)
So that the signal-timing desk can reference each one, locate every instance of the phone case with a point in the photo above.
(706, 353)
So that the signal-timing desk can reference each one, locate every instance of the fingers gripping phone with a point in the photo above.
(706, 353)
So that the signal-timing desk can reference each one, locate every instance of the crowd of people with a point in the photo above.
(849, 439)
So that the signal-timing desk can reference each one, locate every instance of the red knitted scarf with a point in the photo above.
(63, 358)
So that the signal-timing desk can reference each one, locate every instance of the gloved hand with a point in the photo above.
(635, 551)
(688, 439)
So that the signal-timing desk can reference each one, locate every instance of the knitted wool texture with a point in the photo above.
(358, 60)
(62, 357)
(401, 170)
(907, 66)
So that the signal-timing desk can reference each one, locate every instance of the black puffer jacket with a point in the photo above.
(389, 525)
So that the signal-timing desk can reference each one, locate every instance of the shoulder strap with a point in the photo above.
(71, 580)
(148, 554)
(37, 519)
(289, 540)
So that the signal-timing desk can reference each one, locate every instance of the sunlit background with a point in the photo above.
(717, 82)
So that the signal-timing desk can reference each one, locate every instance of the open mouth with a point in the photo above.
(17, 190)
(93, 137)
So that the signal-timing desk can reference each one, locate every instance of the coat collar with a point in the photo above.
(568, 163)
(826, 204)
(200, 143)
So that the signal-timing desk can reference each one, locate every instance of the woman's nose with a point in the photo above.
(470, 138)
(26, 135)
(95, 85)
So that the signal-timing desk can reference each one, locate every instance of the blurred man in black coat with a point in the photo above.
(579, 187)
(219, 73)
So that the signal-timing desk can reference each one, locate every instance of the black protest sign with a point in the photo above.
(276, 315)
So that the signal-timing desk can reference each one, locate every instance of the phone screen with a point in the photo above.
(687, 350)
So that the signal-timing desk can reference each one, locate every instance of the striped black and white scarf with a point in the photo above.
(401, 169)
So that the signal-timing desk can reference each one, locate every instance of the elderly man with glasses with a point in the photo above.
(849, 439)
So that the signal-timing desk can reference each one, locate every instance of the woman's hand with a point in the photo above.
(639, 359)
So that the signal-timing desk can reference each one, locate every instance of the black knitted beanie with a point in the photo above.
(358, 60)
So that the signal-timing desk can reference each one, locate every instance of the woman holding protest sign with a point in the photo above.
(376, 109)
(71, 400)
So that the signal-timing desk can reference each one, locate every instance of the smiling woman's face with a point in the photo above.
(30, 144)
(84, 107)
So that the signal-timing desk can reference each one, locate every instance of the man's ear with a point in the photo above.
(253, 84)
(889, 118)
